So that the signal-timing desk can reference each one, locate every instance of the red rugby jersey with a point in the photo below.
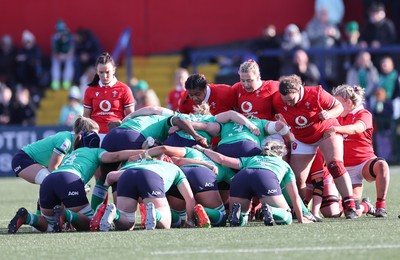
(108, 103)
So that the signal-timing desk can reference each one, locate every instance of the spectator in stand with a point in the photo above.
(5, 98)
(87, 49)
(7, 60)
(269, 66)
(351, 35)
(107, 99)
(350, 40)
(324, 34)
(320, 31)
(220, 97)
(138, 88)
(335, 7)
(23, 110)
(29, 65)
(144, 95)
(382, 112)
(301, 66)
(364, 74)
(378, 30)
(292, 40)
(62, 60)
(70, 112)
(174, 96)
(389, 78)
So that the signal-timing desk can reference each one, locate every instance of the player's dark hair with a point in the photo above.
(104, 58)
(196, 81)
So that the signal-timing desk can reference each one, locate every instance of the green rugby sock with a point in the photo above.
(281, 216)
(71, 217)
(31, 219)
(175, 219)
(215, 216)
(243, 219)
(99, 194)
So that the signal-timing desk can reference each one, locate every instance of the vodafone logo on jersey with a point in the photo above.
(246, 107)
(301, 121)
(105, 105)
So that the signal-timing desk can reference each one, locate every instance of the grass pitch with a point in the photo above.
(364, 238)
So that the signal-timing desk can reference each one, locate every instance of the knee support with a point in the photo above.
(41, 175)
(371, 166)
(336, 169)
(318, 187)
(329, 200)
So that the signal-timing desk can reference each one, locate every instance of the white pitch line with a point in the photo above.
(290, 249)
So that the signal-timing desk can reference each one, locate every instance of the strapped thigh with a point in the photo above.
(371, 166)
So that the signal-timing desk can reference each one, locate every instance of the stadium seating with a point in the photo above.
(158, 71)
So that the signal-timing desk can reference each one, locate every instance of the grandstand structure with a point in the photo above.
(158, 71)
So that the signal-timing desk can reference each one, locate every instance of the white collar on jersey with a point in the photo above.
(112, 83)
(301, 94)
(208, 93)
(355, 110)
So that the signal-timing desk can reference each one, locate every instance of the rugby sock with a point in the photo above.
(281, 216)
(99, 194)
(31, 219)
(244, 218)
(216, 216)
(175, 219)
(71, 217)
(349, 202)
(380, 203)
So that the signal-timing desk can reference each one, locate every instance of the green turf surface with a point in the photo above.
(364, 238)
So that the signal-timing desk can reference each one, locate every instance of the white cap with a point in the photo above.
(292, 28)
(74, 92)
(27, 36)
